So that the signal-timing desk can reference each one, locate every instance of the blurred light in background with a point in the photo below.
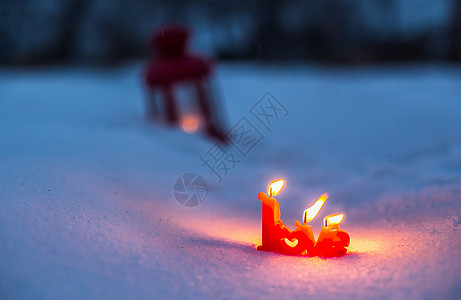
(190, 124)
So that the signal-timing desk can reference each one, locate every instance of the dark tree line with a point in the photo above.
(342, 31)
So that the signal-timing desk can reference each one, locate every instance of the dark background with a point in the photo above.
(333, 31)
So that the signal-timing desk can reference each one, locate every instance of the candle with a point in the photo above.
(309, 215)
(301, 241)
(332, 240)
(277, 237)
(273, 229)
(298, 242)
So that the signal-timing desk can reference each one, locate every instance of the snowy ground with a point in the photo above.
(87, 210)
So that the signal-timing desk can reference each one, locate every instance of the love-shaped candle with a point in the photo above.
(332, 240)
(275, 235)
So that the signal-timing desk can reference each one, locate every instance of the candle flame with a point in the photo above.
(311, 212)
(275, 187)
(334, 219)
(190, 124)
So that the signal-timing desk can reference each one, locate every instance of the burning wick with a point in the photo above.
(311, 212)
(333, 220)
(275, 187)
(190, 124)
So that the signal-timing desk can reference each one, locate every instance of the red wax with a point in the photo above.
(299, 242)
(332, 242)
(275, 233)
(272, 227)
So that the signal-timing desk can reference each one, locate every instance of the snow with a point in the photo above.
(87, 209)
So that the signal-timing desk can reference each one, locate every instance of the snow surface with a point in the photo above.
(87, 210)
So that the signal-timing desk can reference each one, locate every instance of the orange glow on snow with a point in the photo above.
(190, 124)
(275, 187)
(311, 212)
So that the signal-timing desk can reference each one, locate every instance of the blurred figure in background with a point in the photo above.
(173, 69)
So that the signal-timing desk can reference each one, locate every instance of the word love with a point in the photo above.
(276, 237)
